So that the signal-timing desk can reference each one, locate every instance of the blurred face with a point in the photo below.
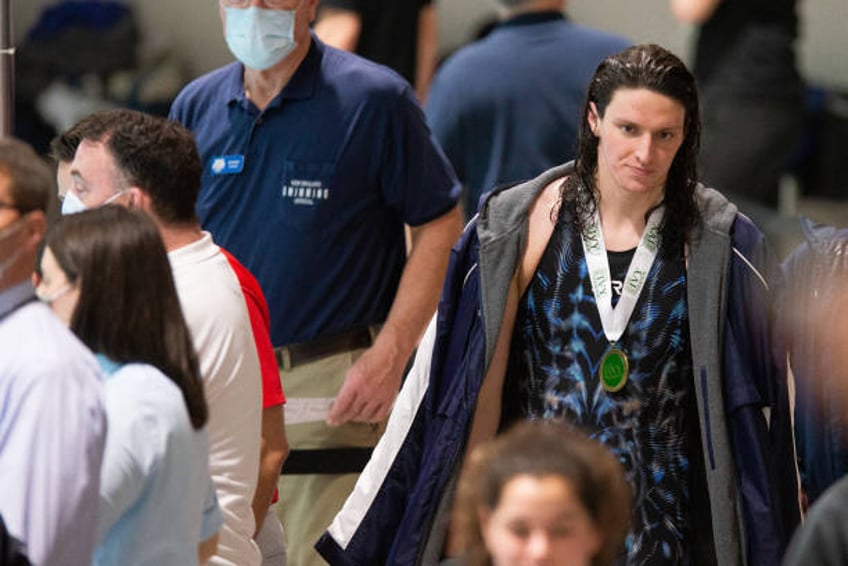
(95, 177)
(639, 136)
(539, 521)
(19, 236)
(8, 213)
(55, 289)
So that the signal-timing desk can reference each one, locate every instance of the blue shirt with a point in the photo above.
(507, 107)
(157, 500)
(312, 193)
(52, 429)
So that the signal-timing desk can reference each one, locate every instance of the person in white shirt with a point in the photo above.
(157, 500)
(149, 163)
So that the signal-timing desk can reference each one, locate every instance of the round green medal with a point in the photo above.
(614, 370)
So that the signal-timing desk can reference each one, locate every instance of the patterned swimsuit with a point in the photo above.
(645, 424)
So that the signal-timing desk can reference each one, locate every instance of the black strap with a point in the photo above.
(327, 461)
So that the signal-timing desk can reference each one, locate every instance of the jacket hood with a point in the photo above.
(717, 213)
(502, 233)
(506, 210)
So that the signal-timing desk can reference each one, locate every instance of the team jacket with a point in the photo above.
(398, 511)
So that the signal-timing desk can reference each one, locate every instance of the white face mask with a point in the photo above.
(72, 203)
(49, 298)
(260, 38)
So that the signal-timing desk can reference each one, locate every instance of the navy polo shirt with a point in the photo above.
(312, 193)
(510, 125)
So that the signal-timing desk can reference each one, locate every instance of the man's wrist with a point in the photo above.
(394, 343)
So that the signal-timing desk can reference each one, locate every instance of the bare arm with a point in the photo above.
(693, 11)
(372, 383)
(275, 448)
(207, 549)
(488, 411)
(339, 28)
(427, 51)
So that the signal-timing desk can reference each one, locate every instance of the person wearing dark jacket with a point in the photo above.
(636, 305)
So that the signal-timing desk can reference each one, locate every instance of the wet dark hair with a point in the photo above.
(128, 308)
(654, 68)
(539, 449)
(155, 154)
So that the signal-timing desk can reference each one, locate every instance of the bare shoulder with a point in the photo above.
(541, 226)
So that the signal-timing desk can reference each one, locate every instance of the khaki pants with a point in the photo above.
(309, 502)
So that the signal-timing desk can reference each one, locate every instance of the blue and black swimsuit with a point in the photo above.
(560, 341)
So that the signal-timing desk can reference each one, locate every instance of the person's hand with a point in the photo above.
(370, 387)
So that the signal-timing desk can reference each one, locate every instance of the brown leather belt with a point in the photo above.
(293, 355)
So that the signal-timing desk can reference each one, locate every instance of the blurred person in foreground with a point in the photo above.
(541, 494)
(157, 500)
(813, 322)
(52, 419)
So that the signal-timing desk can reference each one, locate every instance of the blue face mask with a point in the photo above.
(72, 204)
(260, 38)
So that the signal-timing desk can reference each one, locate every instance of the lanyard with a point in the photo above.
(614, 320)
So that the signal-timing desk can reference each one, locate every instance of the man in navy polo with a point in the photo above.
(507, 107)
(314, 160)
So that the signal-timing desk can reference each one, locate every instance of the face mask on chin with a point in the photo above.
(50, 298)
(260, 38)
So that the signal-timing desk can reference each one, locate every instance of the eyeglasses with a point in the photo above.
(273, 4)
